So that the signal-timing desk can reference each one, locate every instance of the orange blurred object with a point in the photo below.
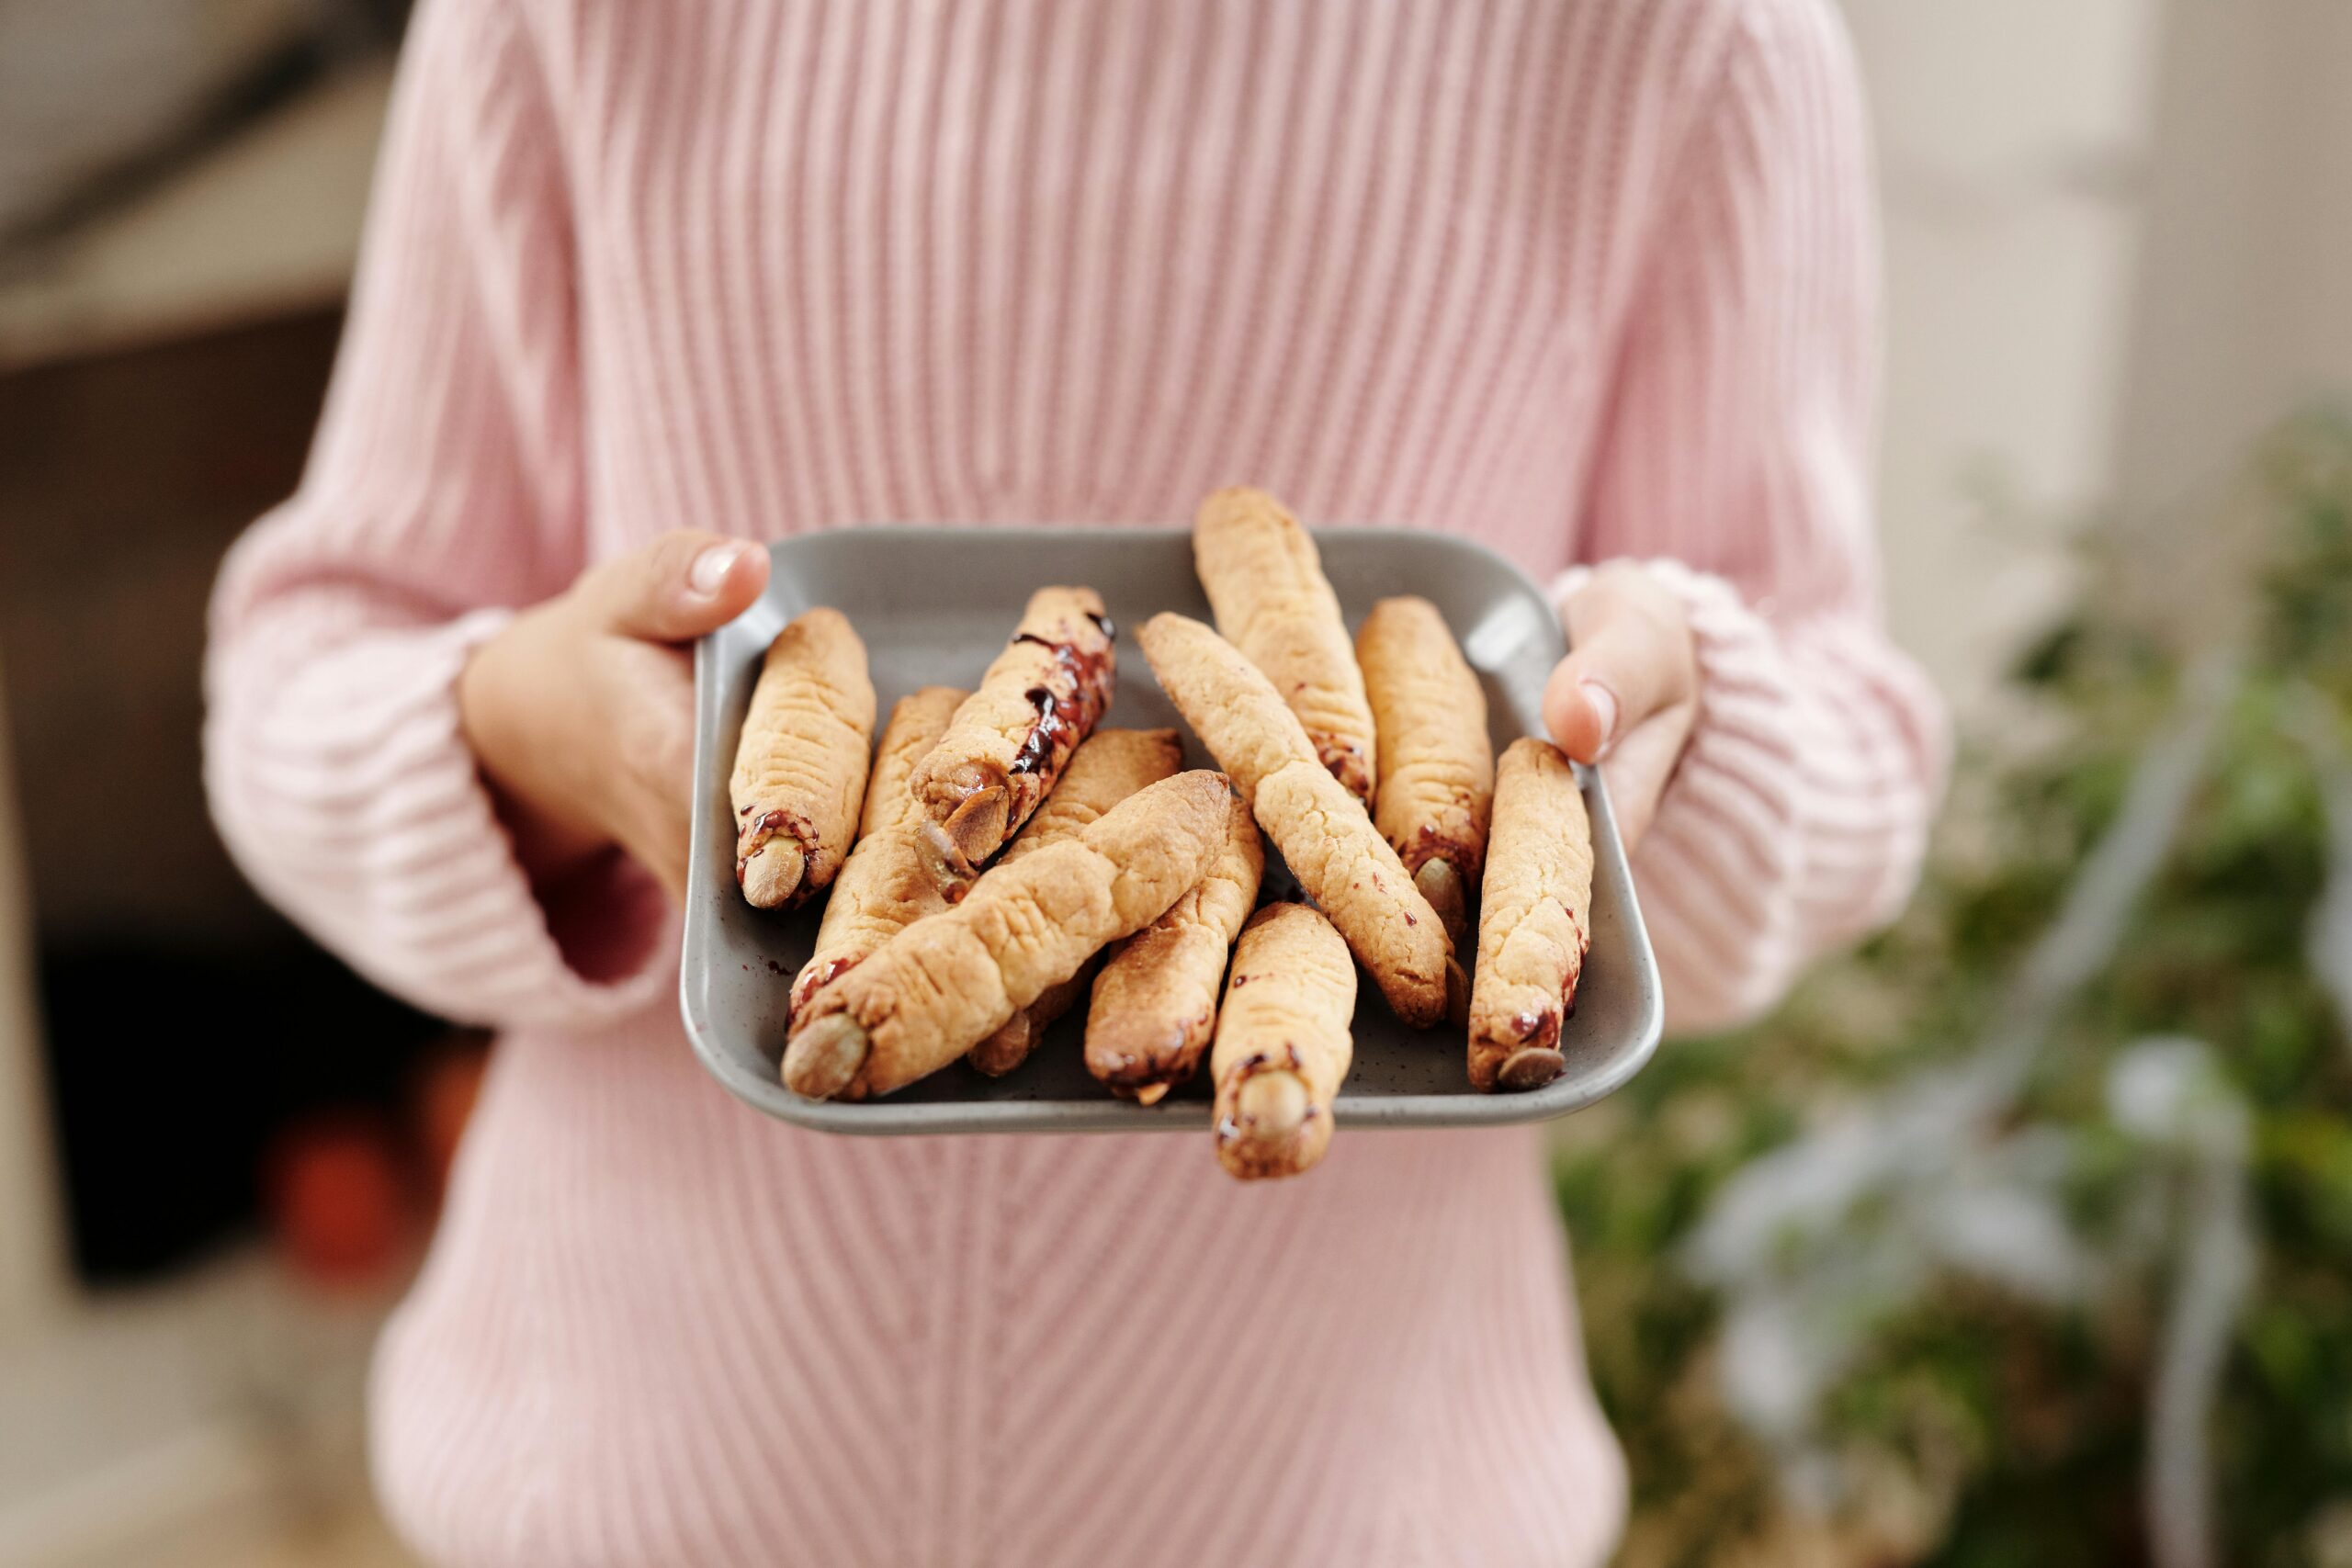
(337, 1199)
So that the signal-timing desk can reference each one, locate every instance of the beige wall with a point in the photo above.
(2245, 310)
(2010, 133)
(2118, 240)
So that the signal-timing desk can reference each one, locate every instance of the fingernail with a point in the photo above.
(710, 569)
(1604, 705)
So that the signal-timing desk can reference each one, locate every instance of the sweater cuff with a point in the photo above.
(412, 878)
(1717, 868)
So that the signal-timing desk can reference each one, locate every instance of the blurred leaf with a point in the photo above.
(2022, 1426)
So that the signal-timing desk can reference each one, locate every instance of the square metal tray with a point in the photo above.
(935, 605)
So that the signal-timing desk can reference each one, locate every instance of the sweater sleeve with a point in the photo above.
(1736, 464)
(443, 490)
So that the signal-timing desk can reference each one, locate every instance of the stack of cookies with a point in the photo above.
(1000, 852)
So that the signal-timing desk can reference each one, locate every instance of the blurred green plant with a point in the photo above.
(2028, 1262)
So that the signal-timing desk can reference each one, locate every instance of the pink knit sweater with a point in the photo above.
(1582, 278)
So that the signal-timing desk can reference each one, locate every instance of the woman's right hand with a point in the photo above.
(581, 711)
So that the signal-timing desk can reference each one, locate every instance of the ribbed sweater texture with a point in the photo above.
(1585, 279)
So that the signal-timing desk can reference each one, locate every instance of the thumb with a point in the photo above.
(1629, 656)
(682, 584)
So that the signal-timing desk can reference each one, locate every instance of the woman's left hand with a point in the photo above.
(1627, 693)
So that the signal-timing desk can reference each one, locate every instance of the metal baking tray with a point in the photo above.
(935, 605)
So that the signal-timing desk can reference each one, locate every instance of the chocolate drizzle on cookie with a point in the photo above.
(1065, 715)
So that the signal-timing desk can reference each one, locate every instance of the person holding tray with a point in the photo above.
(1593, 281)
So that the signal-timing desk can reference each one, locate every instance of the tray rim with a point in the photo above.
(889, 1118)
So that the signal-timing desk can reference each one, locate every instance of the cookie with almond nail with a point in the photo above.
(800, 761)
(1155, 1002)
(1437, 766)
(1009, 742)
(1283, 1043)
(1534, 919)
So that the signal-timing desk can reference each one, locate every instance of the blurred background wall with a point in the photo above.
(2115, 238)
(2013, 140)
